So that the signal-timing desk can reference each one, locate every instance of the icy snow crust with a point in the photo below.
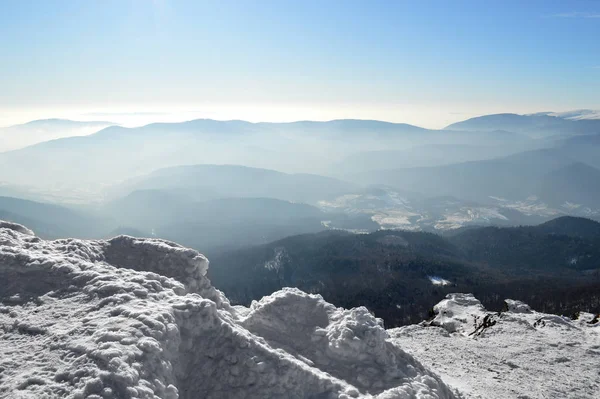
(137, 318)
(517, 353)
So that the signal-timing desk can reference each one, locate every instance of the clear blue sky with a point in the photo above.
(413, 61)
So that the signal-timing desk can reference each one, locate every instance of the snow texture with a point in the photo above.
(518, 353)
(137, 318)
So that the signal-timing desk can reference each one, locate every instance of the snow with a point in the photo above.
(468, 215)
(16, 227)
(533, 206)
(387, 199)
(518, 353)
(581, 114)
(395, 219)
(571, 206)
(137, 318)
(279, 258)
(435, 280)
(389, 209)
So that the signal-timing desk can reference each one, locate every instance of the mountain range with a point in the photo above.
(294, 147)
(159, 179)
(535, 125)
(34, 132)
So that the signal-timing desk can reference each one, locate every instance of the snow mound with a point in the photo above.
(514, 306)
(518, 353)
(462, 313)
(137, 318)
(16, 227)
(348, 344)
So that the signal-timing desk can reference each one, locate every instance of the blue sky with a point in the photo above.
(423, 62)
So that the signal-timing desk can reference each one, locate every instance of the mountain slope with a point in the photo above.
(117, 153)
(551, 174)
(515, 176)
(576, 183)
(213, 225)
(422, 156)
(534, 250)
(239, 181)
(51, 221)
(570, 226)
(398, 273)
(575, 114)
(19, 136)
(535, 125)
(583, 148)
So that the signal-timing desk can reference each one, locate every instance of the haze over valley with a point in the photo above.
(349, 174)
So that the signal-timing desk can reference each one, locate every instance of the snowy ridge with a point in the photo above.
(517, 353)
(137, 318)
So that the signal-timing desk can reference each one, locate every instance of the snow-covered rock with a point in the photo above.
(16, 227)
(137, 318)
(348, 344)
(514, 306)
(462, 313)
(518, 353)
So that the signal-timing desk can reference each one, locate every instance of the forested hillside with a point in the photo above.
(399, 274)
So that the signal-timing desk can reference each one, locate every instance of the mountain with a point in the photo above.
(19, 136)
(539, 250)
(231, 224)
(583, 148)
(575, 114)
(513, 176)
(570, 226)
(577, 185)
(117, 153)
(580, 141)
(552, 175)
(398, 273)
(343, 128)
(152, 208)
(341, 148)
(212, 225)
(214, 181)
(147, 209)
(52, 221)
(535, 125)
(423, 156)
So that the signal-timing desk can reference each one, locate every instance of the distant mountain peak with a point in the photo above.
(578, 114)
(541, 124)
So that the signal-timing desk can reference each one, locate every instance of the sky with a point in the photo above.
(428, 63)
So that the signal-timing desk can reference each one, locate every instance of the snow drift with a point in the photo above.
(516, 353)
(137, 318)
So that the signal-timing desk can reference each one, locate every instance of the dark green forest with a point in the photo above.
(554, 267)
